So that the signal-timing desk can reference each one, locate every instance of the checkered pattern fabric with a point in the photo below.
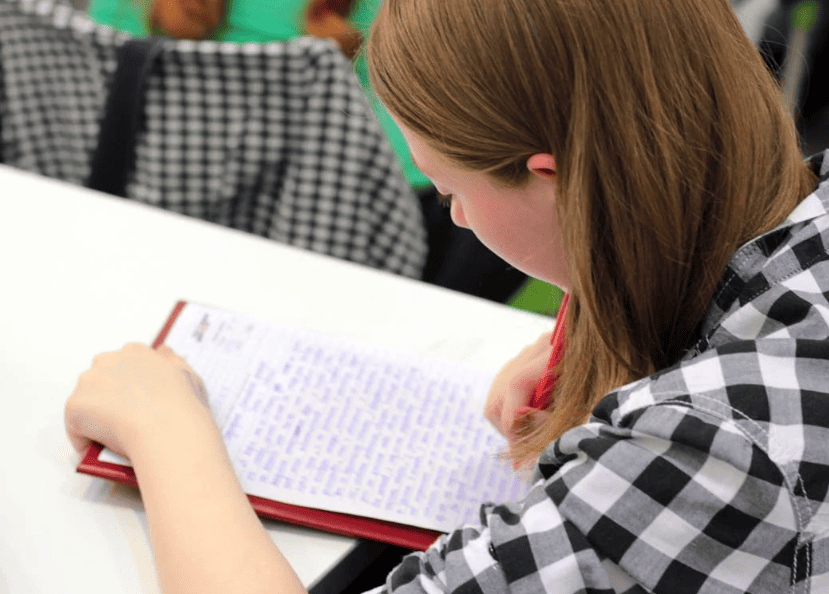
(712, 476)
(274, 139)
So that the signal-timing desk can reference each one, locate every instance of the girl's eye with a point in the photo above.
(445, 200)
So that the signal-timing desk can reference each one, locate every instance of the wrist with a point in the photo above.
(173, 428)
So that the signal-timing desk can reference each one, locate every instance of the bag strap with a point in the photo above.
(114, 157)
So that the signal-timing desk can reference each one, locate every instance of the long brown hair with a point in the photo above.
(672, 149)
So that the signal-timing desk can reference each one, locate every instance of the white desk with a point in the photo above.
(81, 273)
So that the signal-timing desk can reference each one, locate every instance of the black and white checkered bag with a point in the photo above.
(274, 139)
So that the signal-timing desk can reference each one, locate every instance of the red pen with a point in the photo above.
(545, 386)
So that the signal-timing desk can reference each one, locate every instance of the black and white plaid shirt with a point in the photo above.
(274, 139)
(711, 476)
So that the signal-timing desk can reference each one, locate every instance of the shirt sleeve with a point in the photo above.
(620, 510)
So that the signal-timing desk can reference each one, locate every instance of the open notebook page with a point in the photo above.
(345, 426)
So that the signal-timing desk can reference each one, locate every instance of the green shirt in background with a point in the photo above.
(262, 21)
(362, 16)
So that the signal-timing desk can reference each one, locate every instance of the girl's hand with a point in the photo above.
(149, 406)
(133, 393)
(515, 384)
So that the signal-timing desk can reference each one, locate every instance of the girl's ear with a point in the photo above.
(543, 165)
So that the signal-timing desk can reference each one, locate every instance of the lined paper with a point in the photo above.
(341, 425)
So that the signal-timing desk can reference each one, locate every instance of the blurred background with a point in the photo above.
(792, 37)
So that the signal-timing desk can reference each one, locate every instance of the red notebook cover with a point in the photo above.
(411, 537)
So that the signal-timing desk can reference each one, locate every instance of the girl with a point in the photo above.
(638, 154)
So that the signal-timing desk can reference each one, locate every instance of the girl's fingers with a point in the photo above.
(168, 353)
(515, 384)
(172, 356)
(78, 441)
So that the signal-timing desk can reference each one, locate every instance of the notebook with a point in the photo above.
(337, 434)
